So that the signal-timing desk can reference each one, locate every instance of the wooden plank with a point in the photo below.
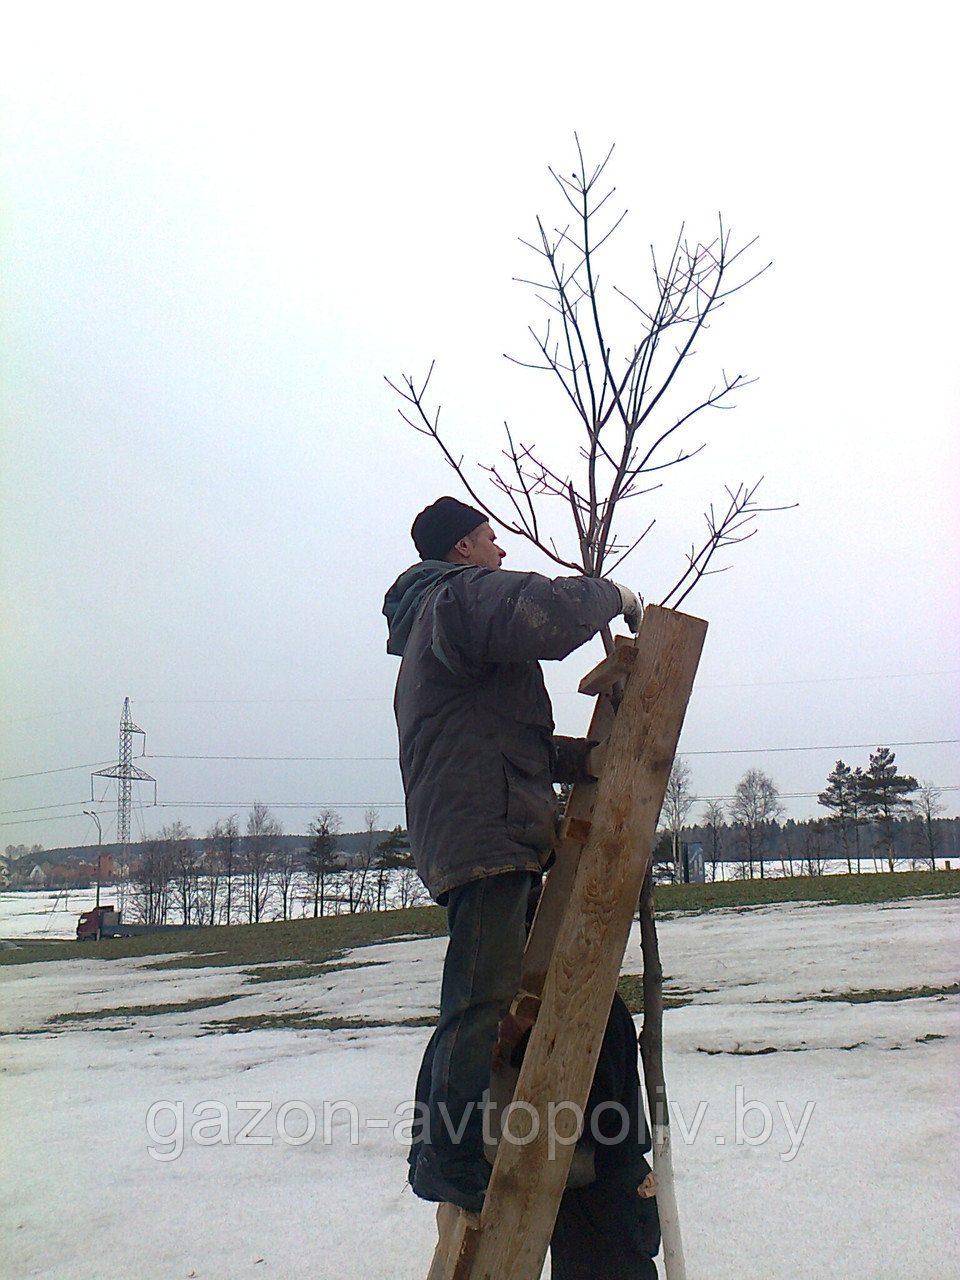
(459, 1232)
(577, 830)
(556, 888)
(614, 668)
(457, 1237)
(528, 1180)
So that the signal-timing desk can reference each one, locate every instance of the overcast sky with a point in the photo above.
(224, 224)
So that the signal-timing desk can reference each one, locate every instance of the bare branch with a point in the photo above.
(618, 398)
(741, 512)
(620, 559)
(430, 427)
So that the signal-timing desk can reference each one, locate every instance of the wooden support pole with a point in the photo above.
(577, 824)
(530, 1172)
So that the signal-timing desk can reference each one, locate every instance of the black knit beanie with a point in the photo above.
(439, 527)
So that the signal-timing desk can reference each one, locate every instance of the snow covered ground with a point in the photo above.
(43, 914)
(813, 1137)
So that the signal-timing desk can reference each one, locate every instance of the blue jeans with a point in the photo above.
(487, 920)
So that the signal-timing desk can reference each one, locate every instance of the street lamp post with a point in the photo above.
(91, 814)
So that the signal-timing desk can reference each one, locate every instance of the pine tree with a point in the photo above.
(393, 854)
(319, 857)
(857, 814)
(885, 794)
(840, 797)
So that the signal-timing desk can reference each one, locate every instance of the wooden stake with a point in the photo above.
(530, 1172)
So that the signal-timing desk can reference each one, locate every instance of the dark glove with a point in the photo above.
(570, 759)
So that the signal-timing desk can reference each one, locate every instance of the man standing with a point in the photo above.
(478, 759)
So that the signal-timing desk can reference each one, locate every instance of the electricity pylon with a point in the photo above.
(126, 773)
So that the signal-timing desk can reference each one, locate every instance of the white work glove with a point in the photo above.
(631, 606)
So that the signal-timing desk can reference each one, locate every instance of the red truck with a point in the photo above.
(105, 922)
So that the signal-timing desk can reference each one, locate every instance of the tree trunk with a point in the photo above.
(651, 1052)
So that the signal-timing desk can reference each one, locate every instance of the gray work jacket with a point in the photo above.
(473, 714)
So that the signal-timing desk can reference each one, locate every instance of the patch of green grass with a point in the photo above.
(884, 994)
(142, 1010)
(299, 1021)
(739, 1052)
(279, 942)
(283, 972)
(297, 970)
(321, 941)
(754, 1053)
(881, 887)
(630, 989)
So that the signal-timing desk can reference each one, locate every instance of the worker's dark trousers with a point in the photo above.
(605, 1232)
(487, 920)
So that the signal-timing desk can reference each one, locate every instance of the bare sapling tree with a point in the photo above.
(151, 881)
(677, 803)
(814, 848)
(186, 870)
(260, 859)
(286, 866)
(630, 434)
(224, 848)
(788, 847)
(211, 874)
(714, 816)
(755, 806)
(928, 806)
(356, 880)
(616, 359)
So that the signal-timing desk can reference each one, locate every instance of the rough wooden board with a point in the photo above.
(614, 668)
(458, 1231)
(556, 888)
(528, 1180)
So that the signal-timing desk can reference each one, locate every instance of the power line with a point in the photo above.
(226, 702)
(211, 804)
(285, 759)
(334, 804)
(720, 751)
(801, 795)
(284, 804)
(763, 684)
(357, 804)
(51, 817)
(396, 804)
(37, 808)
(391, 759)
(42, 773)
(842, 746)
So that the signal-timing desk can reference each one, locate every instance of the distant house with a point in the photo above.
(88, 870)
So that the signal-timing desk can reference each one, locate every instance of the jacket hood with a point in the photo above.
(402, 601)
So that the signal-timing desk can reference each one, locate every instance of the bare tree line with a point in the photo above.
(877, 817)
(236, 877)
